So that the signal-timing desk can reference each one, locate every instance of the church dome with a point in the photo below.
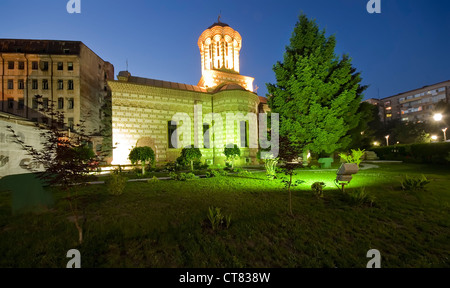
(230, 86)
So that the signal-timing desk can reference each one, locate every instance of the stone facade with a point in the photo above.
(219, 111)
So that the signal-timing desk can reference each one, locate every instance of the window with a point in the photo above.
(402, 99)
(10, 84)
(21, 84)
(172, 127)
(70, 85)
(66, 51)
(218, 48)
(21, 104)
(10, 103)
(206, 136)
(70, 123)
(70, 103)
(244, 136)
(45, 84)
(34, 84)
(44, 65)
(60, 84)
(45, 103)
(210, 51)
(34, 65)
(226, 48)
(70, 66)
(34, 103)
(10, 65)
(60, 103)
(60, 66)
(21, 65)
(389, 115)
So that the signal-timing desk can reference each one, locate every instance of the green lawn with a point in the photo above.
(164, 224)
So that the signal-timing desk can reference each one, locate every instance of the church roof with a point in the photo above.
(164, 84)
(219, 24)
(230, 86)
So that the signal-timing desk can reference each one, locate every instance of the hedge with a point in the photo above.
(436, 153)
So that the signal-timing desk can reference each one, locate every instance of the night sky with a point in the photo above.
(405, 47)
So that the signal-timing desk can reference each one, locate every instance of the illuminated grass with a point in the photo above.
(162, 224)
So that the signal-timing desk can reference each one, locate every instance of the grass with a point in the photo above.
(165, 224)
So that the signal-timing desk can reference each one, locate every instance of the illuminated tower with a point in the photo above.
(219, 50)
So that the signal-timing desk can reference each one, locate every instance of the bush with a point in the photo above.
(354, 157)
(231, 154)
(182, 176)
(143, 155)
(414, 184)
(317, 189)
(435, 153)
(153, 180)
(189, 155)
(360, 196)
(116, 183)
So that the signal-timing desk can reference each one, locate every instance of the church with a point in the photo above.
(166, 116)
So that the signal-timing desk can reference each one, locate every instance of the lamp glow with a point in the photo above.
(437, 117)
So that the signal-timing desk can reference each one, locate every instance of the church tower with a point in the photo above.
(219, 50)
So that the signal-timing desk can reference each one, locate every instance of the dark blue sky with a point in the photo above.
(405, 47)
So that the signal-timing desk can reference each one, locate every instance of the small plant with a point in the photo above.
(415, 184)
(244, 173)
(143, 155)
(317, 189)
(360, 196)
(354, 157)
(116, 183)
(217, 219)
(271, 167)
(153, 180)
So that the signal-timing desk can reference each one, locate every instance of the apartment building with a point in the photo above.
(416, 105)
(66, 74)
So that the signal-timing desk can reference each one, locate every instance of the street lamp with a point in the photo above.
(387, 140)
(434, 137)
(437, 117)
(445, 134)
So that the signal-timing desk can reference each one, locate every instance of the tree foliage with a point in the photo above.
(143, 155)
(317, 94)
(190, 154)
(66, 157)
(232, 153)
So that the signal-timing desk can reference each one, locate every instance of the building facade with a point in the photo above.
(220, 110)
(414, 106)
(66, 74)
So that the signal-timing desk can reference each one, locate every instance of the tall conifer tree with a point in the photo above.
(317, 94)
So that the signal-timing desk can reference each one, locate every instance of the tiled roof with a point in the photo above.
(165, 84)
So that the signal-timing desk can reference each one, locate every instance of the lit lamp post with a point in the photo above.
(437, 117)
(445, 134)
(387, 140)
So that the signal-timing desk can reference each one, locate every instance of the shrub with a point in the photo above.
(354, 157)
(153, 180)
(182, 176)
(142, 155)
(317, 189)
(435, 153)
(360, 196)
(244, 173)
(189, 155)
(231, 154)
(116, 183)
(414, 184)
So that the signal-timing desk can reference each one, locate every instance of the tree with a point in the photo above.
(142, 154)
(190, 154)
(317, 96)
(66, 157)
(232, 153)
